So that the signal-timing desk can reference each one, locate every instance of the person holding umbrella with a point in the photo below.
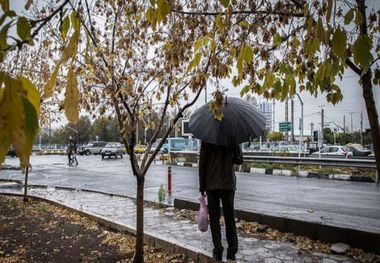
(217, 178)
(222, 126)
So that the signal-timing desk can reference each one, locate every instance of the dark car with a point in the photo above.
(312, 147)
(358, 150)
(11, 151)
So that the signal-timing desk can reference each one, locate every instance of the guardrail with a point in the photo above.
(354, 163)
(192, 157)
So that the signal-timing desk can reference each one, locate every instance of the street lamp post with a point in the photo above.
(301, 126)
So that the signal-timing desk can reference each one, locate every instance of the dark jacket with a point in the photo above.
(216, 166)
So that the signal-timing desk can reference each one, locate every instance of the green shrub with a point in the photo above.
(161, 194)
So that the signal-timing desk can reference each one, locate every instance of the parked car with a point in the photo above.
(358, 150)
(334, 150)
(92, 148)
(164, 147)
(11, 151)
(182, 144)
(112, 149)
(314, 147)
(139, 148)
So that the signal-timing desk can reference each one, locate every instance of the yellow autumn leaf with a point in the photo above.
(195, 61)
(4, 5)
(48, 89)
(12, 121)
(71, 98)
(4, 140)
(31, 93)
(71, 48)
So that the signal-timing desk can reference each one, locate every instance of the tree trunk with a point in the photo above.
(366, 80)
(25, 199)
(139, 249)
(372, 116)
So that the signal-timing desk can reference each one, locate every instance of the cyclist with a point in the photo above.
(72, 154)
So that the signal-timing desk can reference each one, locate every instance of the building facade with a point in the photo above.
(267, 109)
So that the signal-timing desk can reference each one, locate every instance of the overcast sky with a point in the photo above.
(352, 102)
(351, 105)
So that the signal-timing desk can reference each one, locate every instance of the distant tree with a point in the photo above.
(328, 136)
(106, 128)
(61, 135)
(275, 136)
(345, 138)
(84, 128)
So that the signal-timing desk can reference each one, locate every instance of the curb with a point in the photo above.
(149, 239)
(9, 167)
(10, 181)
(361, 239)
(305, 174)
(186, 164)
(50, 152)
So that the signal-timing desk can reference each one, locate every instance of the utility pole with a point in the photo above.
(292, 110)
(286, 118)
(301, 127)
(322, 122)
(344, 123)
(361, 127)
(352, 125)
(311, 128)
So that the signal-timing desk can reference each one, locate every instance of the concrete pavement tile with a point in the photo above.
(272, 260)
(176, 235)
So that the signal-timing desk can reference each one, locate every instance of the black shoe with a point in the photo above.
(217, 256)
(230, 256)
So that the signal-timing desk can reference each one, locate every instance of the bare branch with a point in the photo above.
(352, 66)
(176, 118)
(237, 12)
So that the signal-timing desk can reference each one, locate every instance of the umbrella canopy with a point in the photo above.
(241, 122)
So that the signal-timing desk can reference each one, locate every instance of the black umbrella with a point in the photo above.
(241, 122)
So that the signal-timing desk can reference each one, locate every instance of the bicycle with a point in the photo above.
(73, 159)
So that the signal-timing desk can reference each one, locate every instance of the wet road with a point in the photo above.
(347, 204)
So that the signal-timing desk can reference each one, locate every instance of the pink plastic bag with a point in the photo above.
(203, 214)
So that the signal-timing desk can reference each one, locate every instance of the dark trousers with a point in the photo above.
(227, 197)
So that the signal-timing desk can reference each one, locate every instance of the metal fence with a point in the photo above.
(339, 162)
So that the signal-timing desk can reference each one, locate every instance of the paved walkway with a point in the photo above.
(160, 223)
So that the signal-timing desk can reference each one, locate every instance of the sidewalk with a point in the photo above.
(173, 233)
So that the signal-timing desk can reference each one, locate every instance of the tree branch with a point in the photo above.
(44, 21)
(176, 118)
(237, 12)
(298, 4)
(352, 66)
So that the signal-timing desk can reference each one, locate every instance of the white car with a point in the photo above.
(334, 150)
(112, 149)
